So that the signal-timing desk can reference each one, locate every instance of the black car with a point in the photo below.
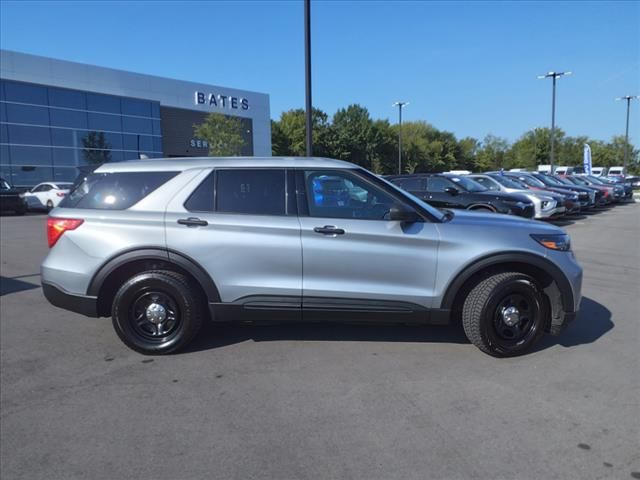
(11, 199)
(586, 195)
(457, 191)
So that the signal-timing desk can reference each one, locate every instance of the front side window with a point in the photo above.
(410, 184)
(341, 194)
(251, 191)
(438, 184)
(485, 182)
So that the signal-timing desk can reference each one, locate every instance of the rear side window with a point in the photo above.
(410, 184)
(114, 191)
(253, 192)
(438, 184)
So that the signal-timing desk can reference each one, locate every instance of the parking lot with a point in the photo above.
(323, 401)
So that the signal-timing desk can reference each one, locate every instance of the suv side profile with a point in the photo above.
(162, 245)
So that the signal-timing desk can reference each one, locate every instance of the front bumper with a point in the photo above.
(60, 298)
(552, 213)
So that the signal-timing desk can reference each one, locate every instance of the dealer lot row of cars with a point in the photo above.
(525, 194)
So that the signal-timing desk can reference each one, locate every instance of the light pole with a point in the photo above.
(554, 76)
(628, 98)
(400, 105)
(307, 75)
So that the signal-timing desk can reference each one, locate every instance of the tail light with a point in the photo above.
(60, 194)
(57, 226)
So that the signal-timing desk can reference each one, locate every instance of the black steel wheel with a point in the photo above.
(157, 312)
(505, 314)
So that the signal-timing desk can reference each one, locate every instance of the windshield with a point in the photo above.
(595, 180)
(564, 181)
(579, 181)
(532, 181)
(509, 182)
(468, 184)
(547, 180)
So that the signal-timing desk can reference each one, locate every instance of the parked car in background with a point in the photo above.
(598, 193)
(458, 191)
(47, 195)
(607, 190)
(546, 206)
(252, 239)
(586, 195)
(623, 182)
(570, 199)
(634, 181)
(616, 172)
(11, 199)
(598, 171)
(563, 170)
(618, 186)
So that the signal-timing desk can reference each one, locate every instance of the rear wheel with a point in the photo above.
(49, 205)
(505, 314)
(157, 312)
(482, 208)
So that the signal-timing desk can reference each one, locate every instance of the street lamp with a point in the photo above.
(554, 76)
(400, 105)
(628, 98)
(307, 76)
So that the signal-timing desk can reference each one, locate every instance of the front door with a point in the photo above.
(356, 259)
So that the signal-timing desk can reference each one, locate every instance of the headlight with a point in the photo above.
(548, 204)
(560, 242)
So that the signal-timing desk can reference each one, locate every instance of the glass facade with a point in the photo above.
(46, 132)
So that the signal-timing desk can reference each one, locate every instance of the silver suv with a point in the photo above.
(162, 245)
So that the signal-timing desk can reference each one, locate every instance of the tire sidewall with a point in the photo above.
(127, 295)
(522, 285)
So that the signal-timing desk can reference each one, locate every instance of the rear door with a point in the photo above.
(354, 258)
(239, 226)
(438, 197)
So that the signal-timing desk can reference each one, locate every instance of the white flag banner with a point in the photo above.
(587, 159)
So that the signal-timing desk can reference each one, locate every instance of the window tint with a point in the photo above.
(257, 192)
(410, 184)
(60, 97)
(131, 106)
(103, 103)
(487, 183)
(438, 184)
(201, 200)
(23, 135)
(27, 114)
(101, 121)
(68, 118)
(114, 191)
(341, 194)
(25, 93)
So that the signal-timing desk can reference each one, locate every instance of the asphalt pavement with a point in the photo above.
(323, 401)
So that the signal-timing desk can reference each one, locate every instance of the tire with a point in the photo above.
(167, 294)
(488, 312)
(49, 205)
(482, 208)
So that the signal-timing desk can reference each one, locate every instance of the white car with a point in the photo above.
(616, 172)
(47, 195)
(599, 171)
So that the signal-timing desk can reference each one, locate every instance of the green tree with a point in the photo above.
(223, 134)
(96, 148)
(291, 131)
(492, 154)
(354, 135)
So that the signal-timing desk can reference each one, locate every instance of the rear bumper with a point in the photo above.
(60, 298)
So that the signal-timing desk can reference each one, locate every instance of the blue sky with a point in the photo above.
(466, 67)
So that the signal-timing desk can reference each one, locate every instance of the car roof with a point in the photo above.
(186, 163)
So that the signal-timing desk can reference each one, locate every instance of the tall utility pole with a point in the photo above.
(628, 98)
(554, 76)
(400, 105)
(307, 75)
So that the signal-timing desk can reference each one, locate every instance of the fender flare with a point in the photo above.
(541, 263)
(154, 253)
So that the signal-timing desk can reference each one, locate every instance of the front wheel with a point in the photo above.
(157, 312)
(505, 314)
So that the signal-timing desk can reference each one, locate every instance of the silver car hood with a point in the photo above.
(498, 220)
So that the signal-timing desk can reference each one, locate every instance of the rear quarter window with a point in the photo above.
(114, 191)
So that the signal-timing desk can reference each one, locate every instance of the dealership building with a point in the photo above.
(56, 116)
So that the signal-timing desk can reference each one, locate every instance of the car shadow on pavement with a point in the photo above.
(219, 335)
(13, 284)
(594, 320)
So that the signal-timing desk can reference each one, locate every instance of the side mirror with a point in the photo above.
(452, 190)
(402, 214)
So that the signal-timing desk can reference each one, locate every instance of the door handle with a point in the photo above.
(193, 222)
(329, 230)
